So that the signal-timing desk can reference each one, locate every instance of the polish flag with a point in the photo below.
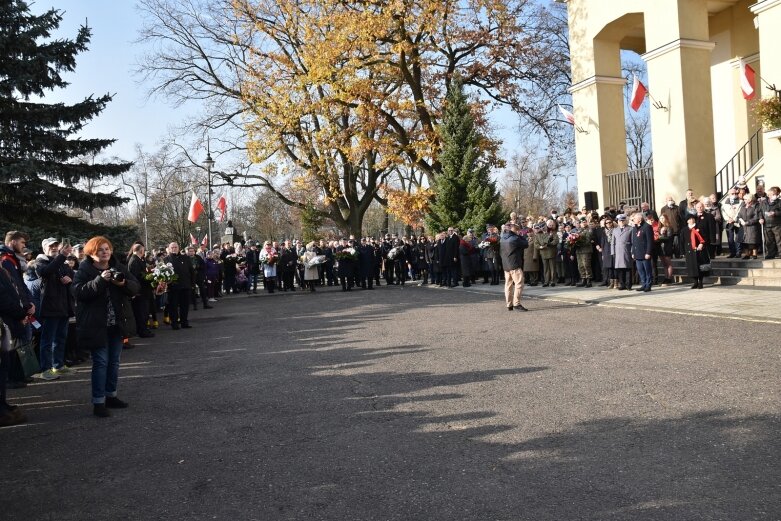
(205, 241)
(747, 80)
(193, 240)
(222, 206)
(195, 208)
(638, 94)
(569, 116)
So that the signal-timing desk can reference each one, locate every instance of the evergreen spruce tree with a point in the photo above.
(465, 195)
(38, 177)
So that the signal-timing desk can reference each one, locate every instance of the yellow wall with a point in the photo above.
(692, 67)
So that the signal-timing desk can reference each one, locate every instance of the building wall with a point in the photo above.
(693, 70)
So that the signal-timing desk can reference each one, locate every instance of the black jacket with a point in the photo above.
(137, 267)
(184, 269)
(12, 307)
(642, 241)
(511, 248)
(56, 300)
(91, 292)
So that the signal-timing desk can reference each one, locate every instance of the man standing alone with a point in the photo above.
(511, 248)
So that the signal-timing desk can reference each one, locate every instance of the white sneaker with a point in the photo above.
(212, 300)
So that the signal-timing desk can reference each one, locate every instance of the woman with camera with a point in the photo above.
(102, 287)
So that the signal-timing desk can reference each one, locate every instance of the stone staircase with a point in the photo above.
(735, 272)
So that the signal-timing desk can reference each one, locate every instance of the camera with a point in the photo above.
(116, 275)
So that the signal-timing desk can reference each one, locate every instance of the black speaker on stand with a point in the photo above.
(592, 201)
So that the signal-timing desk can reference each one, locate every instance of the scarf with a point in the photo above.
(696, 238)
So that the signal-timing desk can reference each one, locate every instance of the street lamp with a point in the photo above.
(566, 176)
(208, 163)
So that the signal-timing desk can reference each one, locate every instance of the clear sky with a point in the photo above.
(107, 67)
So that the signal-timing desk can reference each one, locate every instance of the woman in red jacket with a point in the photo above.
(696, 248)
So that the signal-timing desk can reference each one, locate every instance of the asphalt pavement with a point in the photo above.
(413, 403)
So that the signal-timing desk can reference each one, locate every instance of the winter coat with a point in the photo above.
(212, 270)
(772, 212)
(621, 247)
(673, 217)
(183, 268)
(12, 307)
(450, 252)
(465, 250)
(642, 241)
(33, 283)
(92, 293)
(751, 229)
(546, 243)
(605, 238)
(531, 255)
(137, 267)
(310, 273)
(56, 299)
(511, 247)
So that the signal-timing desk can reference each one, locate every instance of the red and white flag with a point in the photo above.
(193, 240)
(222, 206)
(205, 241)
(747, 75)
(638, 94)
(569, 116)
(195, 208)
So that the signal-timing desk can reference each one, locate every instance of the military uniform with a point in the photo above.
(583, 253)
(546, 243)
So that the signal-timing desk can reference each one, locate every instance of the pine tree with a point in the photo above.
(465, 195)
(38, 174)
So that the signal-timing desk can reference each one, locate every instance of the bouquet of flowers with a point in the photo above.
(268, 257)
(347, 254)
(489, 242)
(316, 261)
(160, 276)
(394, 253)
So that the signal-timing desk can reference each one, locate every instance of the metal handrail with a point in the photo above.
(744, 159)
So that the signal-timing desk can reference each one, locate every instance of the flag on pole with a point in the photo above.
(193, 240)
(222, 206)
(195, 208)
(569, 116)
(747, 75)
(639, 92)
(205, 241)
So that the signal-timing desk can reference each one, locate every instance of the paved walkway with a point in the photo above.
(756, 305)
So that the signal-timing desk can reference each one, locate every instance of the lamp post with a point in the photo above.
(566, 179)
(208, 163)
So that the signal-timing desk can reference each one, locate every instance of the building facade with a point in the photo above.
(701, 123)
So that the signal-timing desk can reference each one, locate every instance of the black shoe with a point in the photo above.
(588, 283)
(112, 402)
(146, 334)
(175, 328)
(100, 410)
(519, 307)
(509, 308)
(545, 285)
(695, 285)
(186, 326)
(621, 288)
(581, 284)
(16, 385)
(552, 284)
(699, 285)
(770, 257)
(641, 288)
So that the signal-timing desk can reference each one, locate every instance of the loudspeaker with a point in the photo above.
(592, 201)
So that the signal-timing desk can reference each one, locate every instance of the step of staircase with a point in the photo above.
(735, 272)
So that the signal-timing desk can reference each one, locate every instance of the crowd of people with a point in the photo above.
(73, 303)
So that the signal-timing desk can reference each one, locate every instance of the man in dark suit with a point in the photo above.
(179, 292)
(450, 258)
(642, 250)
(366, 265)
(511, 250)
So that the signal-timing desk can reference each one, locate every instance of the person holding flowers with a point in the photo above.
(346, 257)
(268, 259)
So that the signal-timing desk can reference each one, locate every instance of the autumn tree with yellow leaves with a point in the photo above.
(347, 94)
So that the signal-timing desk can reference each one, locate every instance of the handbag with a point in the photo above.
(703, 260)
(24, 349)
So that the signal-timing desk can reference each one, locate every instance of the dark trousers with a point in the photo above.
(734, 238)
(623, 275)
(140, 306)
(772, 239)
(287, 280)
(178, 306)
(401, 271)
